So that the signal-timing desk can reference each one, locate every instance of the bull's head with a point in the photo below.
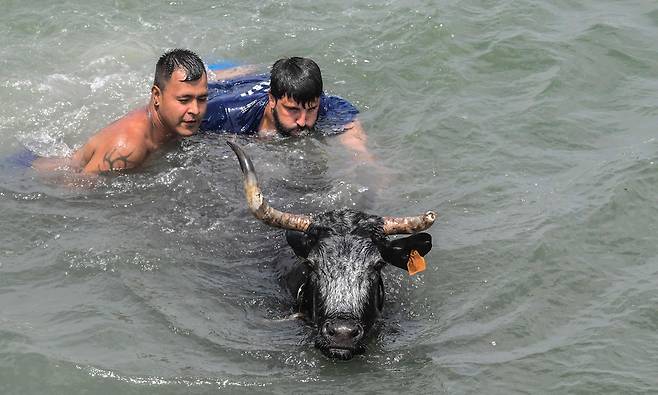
(344, 252)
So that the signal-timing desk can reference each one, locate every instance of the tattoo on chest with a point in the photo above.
(116, 161)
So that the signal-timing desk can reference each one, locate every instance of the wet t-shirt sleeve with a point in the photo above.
(334, 113)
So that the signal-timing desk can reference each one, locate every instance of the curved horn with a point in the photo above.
(257, 203)
(397, 225)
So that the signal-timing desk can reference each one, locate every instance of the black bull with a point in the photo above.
(340, 289)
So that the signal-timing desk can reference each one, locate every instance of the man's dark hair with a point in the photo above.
(297, 78)
(183, 59)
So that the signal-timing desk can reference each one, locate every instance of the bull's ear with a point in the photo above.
(397, 251)
(300, 242)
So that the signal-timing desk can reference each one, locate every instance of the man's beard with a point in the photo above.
(287, 132)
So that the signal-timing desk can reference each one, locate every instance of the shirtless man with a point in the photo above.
(178, 103)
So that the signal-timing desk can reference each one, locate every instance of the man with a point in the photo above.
(178, 102)
(290, 102)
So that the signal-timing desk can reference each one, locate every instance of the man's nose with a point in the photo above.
(194, 107)
(301, 120)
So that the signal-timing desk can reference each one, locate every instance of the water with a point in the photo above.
(529, 126)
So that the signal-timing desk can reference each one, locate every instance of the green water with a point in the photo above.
(529, 126)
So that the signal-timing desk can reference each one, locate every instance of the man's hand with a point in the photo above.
(355, 139)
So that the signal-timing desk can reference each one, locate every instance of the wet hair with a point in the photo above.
(298, 78)
(182, 59)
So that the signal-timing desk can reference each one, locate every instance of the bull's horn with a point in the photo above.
(397, 225)
(257, 203)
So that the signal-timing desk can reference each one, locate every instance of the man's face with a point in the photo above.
(291, 118)
(182, 104)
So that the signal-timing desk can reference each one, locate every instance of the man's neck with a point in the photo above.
(267, 128)
(158, 133)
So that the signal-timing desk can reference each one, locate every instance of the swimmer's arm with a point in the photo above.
(43, 164)
(233, 72)
(73, 163)
(83, 155)
(62, 171)
(120, 155)
(355, 139)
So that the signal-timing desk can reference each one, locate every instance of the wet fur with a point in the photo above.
(343, 269)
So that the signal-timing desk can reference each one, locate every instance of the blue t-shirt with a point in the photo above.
(237, 106)
(21, 159)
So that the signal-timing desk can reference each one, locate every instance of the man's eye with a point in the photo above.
(184, 100)
(203, 98)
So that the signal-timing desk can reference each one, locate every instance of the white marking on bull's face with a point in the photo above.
(346, 275)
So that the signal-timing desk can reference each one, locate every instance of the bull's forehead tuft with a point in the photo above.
(346, 221)
(344, 268)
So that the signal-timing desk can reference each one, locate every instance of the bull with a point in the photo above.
(339, 284)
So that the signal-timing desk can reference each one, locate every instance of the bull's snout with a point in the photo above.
(342, 337)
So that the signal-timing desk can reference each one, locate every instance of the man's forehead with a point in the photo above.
(289, 101)
(178, 77)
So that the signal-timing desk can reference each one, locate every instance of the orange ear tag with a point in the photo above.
(416, 263)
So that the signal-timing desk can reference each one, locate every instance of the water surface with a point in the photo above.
(528, 125)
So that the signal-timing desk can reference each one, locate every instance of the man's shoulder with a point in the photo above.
(237, 95)
(334, 113)
(243, 85)
(130, 131)
(236, 105)
(334, 101)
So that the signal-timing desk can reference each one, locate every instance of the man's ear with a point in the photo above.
(156, 95)
(271, 100)
(397, 251)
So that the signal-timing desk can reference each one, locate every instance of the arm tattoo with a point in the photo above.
(117, 161)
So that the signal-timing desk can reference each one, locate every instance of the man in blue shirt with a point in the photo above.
(290, 102)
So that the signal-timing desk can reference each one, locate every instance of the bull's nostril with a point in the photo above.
(328, 329)
(341, 330)
(356, 332)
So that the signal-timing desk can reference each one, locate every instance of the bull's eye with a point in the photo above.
(379, 265)
(380, 295)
